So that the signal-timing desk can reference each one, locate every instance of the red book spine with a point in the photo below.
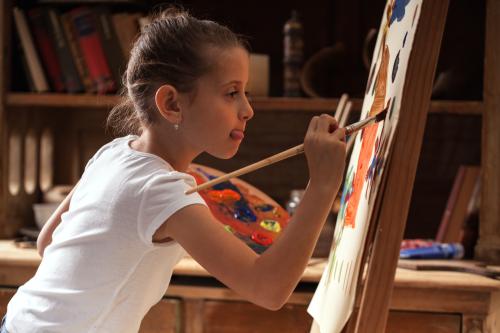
(46, 48)
(92, 50)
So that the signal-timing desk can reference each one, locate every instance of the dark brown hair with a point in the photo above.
(172, 49)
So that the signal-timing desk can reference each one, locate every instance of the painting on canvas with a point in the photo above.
(333, 300)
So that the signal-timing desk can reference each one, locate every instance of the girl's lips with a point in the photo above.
(237, 134)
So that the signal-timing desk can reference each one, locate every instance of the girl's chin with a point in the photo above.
(227, 155)
(225, 150)
(224, 155)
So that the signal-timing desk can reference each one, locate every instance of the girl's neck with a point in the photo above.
(165, 144)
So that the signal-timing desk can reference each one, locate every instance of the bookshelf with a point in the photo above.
(83, 115)
(77, 119)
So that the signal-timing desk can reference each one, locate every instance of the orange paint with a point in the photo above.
(224, 196)
(368, 138)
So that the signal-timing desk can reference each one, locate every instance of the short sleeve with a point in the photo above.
(89, 162)
(163, 195)
(106, 146)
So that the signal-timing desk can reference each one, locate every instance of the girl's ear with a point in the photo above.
(166, 99)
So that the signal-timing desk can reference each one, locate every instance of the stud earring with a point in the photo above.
(176, 127)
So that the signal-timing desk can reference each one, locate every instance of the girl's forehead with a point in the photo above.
(230, 65)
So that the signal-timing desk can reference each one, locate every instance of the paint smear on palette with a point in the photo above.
(249, 215)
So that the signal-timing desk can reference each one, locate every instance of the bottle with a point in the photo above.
(293, 54)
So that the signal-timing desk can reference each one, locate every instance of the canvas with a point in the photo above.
(334, 298)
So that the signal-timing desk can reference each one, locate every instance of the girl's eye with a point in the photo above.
(233, 94)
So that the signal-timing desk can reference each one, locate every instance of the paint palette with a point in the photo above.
(244, 211)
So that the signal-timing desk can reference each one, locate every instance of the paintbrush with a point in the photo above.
(285, 154)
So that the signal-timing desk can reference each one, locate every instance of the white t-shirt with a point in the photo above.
(102, 272)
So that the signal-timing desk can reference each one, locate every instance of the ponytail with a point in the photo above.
(123, 119)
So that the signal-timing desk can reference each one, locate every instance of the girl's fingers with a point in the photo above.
(313, 124)
(327, 123)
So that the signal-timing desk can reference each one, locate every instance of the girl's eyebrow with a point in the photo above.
(232, 82)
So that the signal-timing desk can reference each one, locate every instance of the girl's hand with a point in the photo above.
(325, 149)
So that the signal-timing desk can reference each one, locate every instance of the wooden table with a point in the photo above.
(196, 302)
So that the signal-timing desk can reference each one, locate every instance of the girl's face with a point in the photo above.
(214, 121)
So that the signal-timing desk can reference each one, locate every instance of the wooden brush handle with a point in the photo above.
(252, 167)
(278, 157)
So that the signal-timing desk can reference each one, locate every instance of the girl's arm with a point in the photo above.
(45, 236)
(269, 279)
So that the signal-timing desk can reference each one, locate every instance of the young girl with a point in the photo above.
(110, 248)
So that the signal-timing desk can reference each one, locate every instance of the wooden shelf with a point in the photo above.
(61, 100)
(458, 107)
(259, 103)
(107, 101)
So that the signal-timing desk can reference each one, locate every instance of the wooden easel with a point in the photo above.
(393, 201)
(391, 210)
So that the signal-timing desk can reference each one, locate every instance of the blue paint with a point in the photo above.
(395, 67)
(370, 79)
(243, 212)
(437, 251)
(209, 176)
(265, 207)
(391, 108)
(346, 192)
(398, 11)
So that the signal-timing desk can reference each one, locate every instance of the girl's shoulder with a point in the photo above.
(121, 142)
(141, 169)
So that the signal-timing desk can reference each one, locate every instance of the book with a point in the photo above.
(457, 206)
(38, 17)
(127, 29)
(85, 27)
(76, 53)
(35, 70)
(110, 43)
(72, 82)
(21, 80)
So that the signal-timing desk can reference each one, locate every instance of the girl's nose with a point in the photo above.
(247, 111)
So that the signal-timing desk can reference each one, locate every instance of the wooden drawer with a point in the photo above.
(242, 317)
(410, 322)
(164, 317)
